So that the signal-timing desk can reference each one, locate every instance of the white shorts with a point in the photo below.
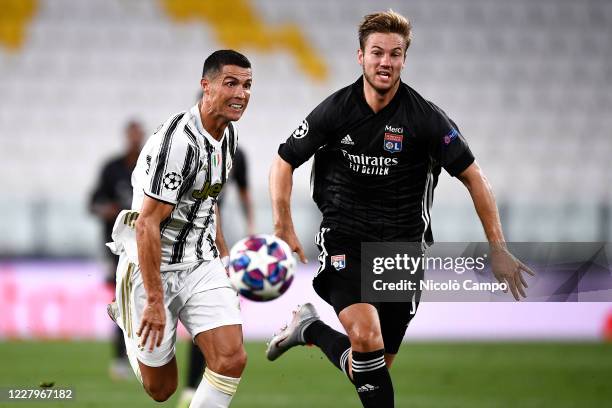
(201, 297)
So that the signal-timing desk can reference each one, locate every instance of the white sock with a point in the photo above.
(215, 391)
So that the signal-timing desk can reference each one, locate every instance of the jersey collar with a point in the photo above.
(361, 100)
(195, 111)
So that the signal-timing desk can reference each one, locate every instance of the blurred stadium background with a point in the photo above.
(528, 82)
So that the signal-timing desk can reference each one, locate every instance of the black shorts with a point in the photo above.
(338, 282)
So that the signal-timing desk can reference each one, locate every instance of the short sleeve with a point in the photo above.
(309, 136)
(172, 159)
(448, 146)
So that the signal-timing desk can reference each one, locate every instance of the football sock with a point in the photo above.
(215, 391)
(196, 367)
(335, 345)
(372, 380)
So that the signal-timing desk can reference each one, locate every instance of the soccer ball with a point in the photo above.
(261, 267)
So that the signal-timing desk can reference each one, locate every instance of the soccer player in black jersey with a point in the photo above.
(112, 194)
(379, 148)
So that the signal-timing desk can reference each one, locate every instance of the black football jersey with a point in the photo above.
(374, 174)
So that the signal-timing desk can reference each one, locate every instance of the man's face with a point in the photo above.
(227, 93)
(382, 60)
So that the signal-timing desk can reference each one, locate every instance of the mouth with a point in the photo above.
(384, 75)
(238, 107)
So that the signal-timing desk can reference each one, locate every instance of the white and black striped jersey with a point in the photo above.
(374, 173)
(183, 165)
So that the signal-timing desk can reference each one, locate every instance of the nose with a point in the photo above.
(386, 60)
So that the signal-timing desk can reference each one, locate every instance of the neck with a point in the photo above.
(213, 124)
(376, 100)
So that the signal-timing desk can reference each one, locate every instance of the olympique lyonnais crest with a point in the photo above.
(393, 142)
(338, 261)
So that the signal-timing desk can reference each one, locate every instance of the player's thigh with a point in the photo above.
(213, 319)
(224, 349)
(361, 322)
(220, 342)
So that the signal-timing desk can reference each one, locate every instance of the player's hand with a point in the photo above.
(288, 235)
(507, 269)
(152, 325)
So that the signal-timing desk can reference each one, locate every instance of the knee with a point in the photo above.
(160, 391)
(232, 363)
(365, 338)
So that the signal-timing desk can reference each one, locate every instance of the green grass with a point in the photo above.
(425, 375)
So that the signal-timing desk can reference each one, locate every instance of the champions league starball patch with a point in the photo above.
(338, 261)
(172, 180)
(301, 130)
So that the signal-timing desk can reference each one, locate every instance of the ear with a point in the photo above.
(360, 56)
(205, 85)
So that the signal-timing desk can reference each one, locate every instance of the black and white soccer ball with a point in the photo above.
(172, 180)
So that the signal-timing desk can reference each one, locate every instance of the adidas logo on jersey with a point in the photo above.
(347, 140)
(366, 388)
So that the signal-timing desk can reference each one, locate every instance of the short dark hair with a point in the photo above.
(218, 59)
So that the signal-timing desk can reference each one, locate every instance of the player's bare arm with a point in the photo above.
(149, 257)
(281, 183)
(506, 267)
(220, 239)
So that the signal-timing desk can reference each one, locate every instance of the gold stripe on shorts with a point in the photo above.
(128, 285)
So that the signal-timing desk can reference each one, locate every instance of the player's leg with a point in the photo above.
(156, 369)
(212, 316)
(159, 382)
(368, 366)
(226, 360)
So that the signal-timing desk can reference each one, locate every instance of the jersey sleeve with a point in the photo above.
(309, 136)
(448, 147)
(170, 161)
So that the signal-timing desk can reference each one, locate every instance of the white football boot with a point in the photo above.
(292, 334)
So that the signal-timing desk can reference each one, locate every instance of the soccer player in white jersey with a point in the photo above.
(171, 247)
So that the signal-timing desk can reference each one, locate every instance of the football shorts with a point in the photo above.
(338, 282)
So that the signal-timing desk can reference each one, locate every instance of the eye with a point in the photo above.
(247, 85)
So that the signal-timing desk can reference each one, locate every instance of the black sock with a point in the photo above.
(372, 379)
(335, 345)
(196, 367)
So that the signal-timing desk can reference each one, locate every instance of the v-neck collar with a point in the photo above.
(195, 111)
(359, 96)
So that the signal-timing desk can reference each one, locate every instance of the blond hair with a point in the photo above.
(385, 22)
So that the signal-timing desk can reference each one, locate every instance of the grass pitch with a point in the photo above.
(425, 375)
